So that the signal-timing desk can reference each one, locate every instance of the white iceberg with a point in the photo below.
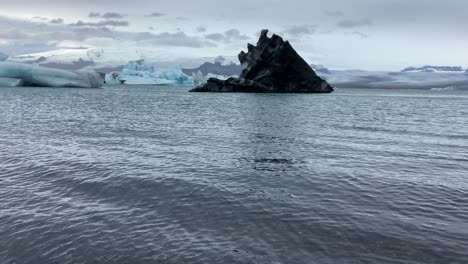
(31, 75)
(113, 78)
(140, 73)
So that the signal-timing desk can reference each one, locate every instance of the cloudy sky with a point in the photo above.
(341, 34)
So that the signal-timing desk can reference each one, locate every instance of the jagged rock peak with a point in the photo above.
(271, 66)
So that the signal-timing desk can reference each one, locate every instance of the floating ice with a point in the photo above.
(199, 78)
(147, 74)
(10, 82)
(3, 57)
(30, 75)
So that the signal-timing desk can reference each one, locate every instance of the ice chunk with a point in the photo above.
(40, 76)
(147, 74)
(199, 78)
(10, 82)
(113, 78)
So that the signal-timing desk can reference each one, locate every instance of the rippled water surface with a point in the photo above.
(160, 175)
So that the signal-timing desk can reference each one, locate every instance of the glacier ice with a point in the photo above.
(3, 57)
(113, 78)
(199, 78)
(10, 82)
(31, 75)
(141, 73)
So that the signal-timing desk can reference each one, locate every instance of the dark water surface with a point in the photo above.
(159, 175)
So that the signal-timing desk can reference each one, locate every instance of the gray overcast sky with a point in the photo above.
(366, 34)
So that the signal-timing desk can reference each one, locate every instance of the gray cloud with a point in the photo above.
(201, 29)
(435, 25)
(334, 13)
(52, 35)
(94, 15)
(105, 23)
(234, 34)
(56, 21)
(227, 37)
(107, 15)
(354, 23)
(40, 18)
(35, 32)
(155, 14)
(360, 34)
(179, 39)
(113, 15)
(215, 36)
(299, 31)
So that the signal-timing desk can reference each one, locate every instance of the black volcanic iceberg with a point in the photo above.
(273, 66)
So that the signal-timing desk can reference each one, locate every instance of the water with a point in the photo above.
(159, 175)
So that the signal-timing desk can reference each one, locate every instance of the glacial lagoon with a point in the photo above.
(160, 175)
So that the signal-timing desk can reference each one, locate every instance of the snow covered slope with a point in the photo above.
(435, 69)
(401, 80)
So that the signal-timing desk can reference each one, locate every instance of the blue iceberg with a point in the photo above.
(18, 74)
(3, 57)
(140, 73)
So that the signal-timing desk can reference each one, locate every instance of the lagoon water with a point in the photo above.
(160, 175)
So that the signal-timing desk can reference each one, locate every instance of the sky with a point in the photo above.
(340, 34)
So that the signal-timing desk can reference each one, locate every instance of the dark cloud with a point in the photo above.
(105, 23)
(360, 34)
(56, 21)
(299, 31)
(354, 23)
(155, 14)
(178, 39)
(334, 13)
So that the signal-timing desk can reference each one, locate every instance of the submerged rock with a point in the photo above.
(273, 66)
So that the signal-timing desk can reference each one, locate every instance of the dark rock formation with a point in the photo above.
(237, 85)
(272, 66)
